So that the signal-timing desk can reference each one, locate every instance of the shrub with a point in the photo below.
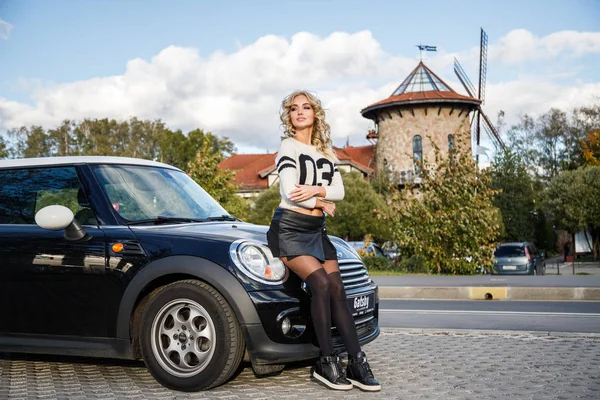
(414, 264)
(377, 263)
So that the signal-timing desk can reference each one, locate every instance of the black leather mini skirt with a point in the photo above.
(293, 234)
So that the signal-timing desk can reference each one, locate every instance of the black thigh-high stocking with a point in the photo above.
(310, 271)
(341, 315)
(320, 311)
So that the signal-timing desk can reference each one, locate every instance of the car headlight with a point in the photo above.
(257, 262)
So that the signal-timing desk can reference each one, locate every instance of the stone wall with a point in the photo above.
(397, 127)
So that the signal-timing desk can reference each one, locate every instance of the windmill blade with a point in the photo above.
(463, 78)
(491, 131)
(482, 65)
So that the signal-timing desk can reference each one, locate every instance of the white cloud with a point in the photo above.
(520, 45)
(238, 94)
(5, 28)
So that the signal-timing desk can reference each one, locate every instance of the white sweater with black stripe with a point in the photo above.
(302, 164)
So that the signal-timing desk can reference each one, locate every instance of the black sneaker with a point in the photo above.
(360, 374)
(329, 372)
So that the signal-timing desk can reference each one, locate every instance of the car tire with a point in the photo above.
(189, 337)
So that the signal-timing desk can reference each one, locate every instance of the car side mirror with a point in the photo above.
(56, 218)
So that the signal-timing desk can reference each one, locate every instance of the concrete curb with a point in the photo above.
(489, 293)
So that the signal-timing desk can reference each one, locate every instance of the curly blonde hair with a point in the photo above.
(321, 133)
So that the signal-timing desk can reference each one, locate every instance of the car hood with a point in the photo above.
(226, 231)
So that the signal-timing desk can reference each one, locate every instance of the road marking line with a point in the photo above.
(521, 313)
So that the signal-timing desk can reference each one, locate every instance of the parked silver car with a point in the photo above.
(372, 249)
(519, 258)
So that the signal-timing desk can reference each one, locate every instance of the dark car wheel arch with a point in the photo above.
(170, 269)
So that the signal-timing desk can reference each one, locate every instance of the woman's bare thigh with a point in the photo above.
(331, 266)
(302, 266)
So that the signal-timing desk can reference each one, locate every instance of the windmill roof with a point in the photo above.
(422, 85)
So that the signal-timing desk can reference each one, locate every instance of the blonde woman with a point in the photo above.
(310, 184)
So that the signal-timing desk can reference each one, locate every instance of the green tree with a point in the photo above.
(355, 216)
(33, 142)
(175, 149)
(553, 139)
(591, 149)
(448, 220)
(222, 146)
(591, 205)
(95, 137)
(586, 135)
(3, 149)
(62, 139)
(262, 209)
(520, 139)
(515, 196)
(150, 140)
(220, 184)
(572, 200)
(179, 150)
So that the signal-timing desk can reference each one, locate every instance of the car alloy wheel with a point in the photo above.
(189, 336)
(183, 337)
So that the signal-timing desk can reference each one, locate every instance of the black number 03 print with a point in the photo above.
(310, 169)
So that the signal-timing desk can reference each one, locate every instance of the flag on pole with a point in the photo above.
(426, 48)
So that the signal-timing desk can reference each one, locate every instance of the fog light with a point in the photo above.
(292, 324)
(286, 325)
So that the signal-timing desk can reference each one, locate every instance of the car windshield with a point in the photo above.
(140, 193)
(509, 251)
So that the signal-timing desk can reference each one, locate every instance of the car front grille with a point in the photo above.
(354, 274)
(366, 326)
(356, 278)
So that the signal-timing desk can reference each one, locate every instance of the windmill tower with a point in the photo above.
(422, 107)
(479, 116)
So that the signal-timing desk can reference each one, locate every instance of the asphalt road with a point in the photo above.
(489, 280)
(528, 316)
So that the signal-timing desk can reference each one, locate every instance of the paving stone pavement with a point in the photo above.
(410, 365)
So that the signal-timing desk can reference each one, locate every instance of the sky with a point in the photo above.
(224, 66)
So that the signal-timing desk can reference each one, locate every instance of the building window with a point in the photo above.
(417, 153)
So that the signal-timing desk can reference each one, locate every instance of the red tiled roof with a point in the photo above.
(248, 167)
(238, 161)
(360, 155)
(253, 169)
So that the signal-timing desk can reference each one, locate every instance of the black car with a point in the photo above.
(519, 258)
(127, 258)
